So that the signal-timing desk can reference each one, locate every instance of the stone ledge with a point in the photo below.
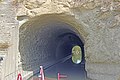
(101, 76)
(102, 71)
(110, 69)
(4, 45)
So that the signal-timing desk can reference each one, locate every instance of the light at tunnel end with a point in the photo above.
(76, 54)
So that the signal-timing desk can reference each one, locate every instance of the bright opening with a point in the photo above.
(76, 54)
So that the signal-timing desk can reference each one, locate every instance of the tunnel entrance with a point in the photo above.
(50, 43)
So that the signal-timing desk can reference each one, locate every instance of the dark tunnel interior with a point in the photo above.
(50, 45)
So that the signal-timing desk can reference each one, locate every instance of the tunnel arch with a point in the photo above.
(41, 37)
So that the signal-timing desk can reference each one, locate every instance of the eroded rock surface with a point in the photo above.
(100, 20)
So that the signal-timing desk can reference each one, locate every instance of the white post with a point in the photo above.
(42, 73)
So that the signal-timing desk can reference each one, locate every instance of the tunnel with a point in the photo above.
(48, 41)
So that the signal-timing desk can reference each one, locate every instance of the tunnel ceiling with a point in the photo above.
(42, 42)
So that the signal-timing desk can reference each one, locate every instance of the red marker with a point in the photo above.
(61, 76)
(19, 77)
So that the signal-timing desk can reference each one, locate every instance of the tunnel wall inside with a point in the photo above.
(38, 41)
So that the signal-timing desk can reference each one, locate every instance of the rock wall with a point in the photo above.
(100, 19)
(7, 38)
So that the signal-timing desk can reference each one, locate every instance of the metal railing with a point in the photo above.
(13, 75)
(53, 64)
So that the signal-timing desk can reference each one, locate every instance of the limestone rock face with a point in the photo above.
(38, 7)
(30, 4)
(100, 20)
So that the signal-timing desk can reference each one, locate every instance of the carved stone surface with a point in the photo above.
(100, 20)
